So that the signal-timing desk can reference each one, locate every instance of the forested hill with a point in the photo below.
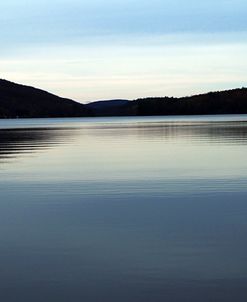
(24, 101)
(224, 102)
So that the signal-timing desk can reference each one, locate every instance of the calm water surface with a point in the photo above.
(123, 209)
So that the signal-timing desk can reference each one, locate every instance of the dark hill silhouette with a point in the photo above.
(110, 107)
(24, 101)
(223, 102)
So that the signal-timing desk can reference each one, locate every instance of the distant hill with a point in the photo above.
(24, 101)
(110, 107)
(223, 102)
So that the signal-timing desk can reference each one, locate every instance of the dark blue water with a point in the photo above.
(123, 209)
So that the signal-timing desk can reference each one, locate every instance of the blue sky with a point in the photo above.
(95, 49)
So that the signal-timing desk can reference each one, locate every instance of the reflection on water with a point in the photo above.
(17, 142)
(123, 209)
(18, 139)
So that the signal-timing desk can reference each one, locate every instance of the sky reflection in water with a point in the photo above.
(116, 209)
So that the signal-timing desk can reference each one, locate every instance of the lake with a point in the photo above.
(144, 209)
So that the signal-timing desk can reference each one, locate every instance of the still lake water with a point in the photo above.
(123, 209)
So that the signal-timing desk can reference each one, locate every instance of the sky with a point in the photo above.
(94, 50)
